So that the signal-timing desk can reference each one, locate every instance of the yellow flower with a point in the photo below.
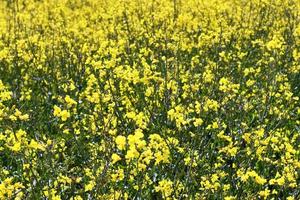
(132, 153)
(115, 158)
(121, 142)
(35, 145)
(165, 187)
(56, 111)
(13, 118)
(88, 187)
(118, 176)
(264, 193)
(233, 151)
(77, 197)
(65, 115)
(17, 113)
(16, 147)
(211, 104)
(72, 86)
(249, 83)
(24, 117)
(260, 132)
(260, 180)
(280, 181)
(198, 122)
(226, 187)
(70, 101)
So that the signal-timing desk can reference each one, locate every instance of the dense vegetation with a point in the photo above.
(149, 99)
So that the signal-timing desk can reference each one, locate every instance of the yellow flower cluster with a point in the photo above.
(149, 99)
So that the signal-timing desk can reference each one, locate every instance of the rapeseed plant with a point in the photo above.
(139, 99)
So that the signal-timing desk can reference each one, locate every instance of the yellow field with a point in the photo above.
(149, 99)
